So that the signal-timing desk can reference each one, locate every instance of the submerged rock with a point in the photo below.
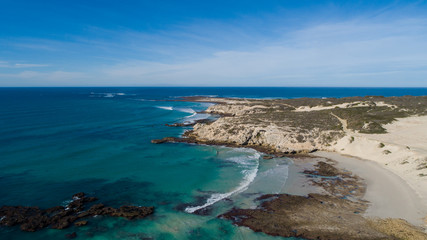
(323, 169)
(32, 219)
(71, 235)
(132, 212)
(80, 223)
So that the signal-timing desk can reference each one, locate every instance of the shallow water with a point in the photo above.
(55, 142)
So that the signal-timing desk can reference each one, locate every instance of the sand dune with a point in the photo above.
(403, 152)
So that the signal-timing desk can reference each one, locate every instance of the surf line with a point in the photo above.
(216, 197)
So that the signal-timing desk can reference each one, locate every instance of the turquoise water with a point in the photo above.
(55, 142)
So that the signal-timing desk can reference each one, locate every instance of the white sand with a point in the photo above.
(342, 105)
(388, 194)
(403, 153)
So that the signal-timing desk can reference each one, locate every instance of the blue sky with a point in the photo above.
(213, 43)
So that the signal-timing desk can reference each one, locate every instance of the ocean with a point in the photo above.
(55, 142)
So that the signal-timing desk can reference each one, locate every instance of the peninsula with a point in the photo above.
(369, 161)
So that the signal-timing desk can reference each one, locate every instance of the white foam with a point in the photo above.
(216, 197)
(192, 115)
(109, 95)
(186, 110)
(249, 176)
(66, 202)
(165, 107)
(195, 117)
(244, 160)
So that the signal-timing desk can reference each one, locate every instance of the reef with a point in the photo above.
(32, 219)
(333, 215)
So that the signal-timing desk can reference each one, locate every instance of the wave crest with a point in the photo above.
(248, 178)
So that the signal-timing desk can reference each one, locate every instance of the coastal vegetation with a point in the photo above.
(303, 124)
(288, 127)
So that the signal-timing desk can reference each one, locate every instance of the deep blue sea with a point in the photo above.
(55, 142)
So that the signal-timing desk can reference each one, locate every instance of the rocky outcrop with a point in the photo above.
(80, 223)
(189, 124)
(300, 125)
(246, 129)
(283, 126)
(333, 215)
(313, 217)
(32, 219)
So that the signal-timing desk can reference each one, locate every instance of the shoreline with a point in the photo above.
(385, 191)
(402, 151)
(390, 195)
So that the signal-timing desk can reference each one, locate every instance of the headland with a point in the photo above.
(369, 163)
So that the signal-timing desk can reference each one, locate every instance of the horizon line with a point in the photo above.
(203, 87)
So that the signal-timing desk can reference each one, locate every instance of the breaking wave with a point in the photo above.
(248, 178)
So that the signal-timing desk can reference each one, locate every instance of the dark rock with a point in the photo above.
(158, 141)
(91, 199)
(17, 215)
(54, 210)
(267, 157)
(77, 205)
(189, 124)
(71, 235)
(178, 125)
(313, 217)
(106, 211)
(204, 211)
(32, 219)
(80, 223)
(84, 214)
(64, 222)
(164, 140)
(78, 195)
(323, 169)
(132, 212)
(96, 207)
(35, 223)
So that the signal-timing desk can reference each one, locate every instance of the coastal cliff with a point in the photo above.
(389, 131)
(302, 125)
(274, 127)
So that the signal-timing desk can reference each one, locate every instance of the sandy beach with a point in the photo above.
(389, 195)
(368, 164)
(396, 170)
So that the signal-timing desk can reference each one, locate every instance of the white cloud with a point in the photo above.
(4, 64)
(35, 78)
(29, 65)
(358, 52)
(352, 53)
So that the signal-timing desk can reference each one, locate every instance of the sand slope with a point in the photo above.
(403, 152)
(389, 195)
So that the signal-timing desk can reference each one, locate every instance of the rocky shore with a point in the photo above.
(295, 127)
(32, 219)
(336, 213)
(301, 125)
